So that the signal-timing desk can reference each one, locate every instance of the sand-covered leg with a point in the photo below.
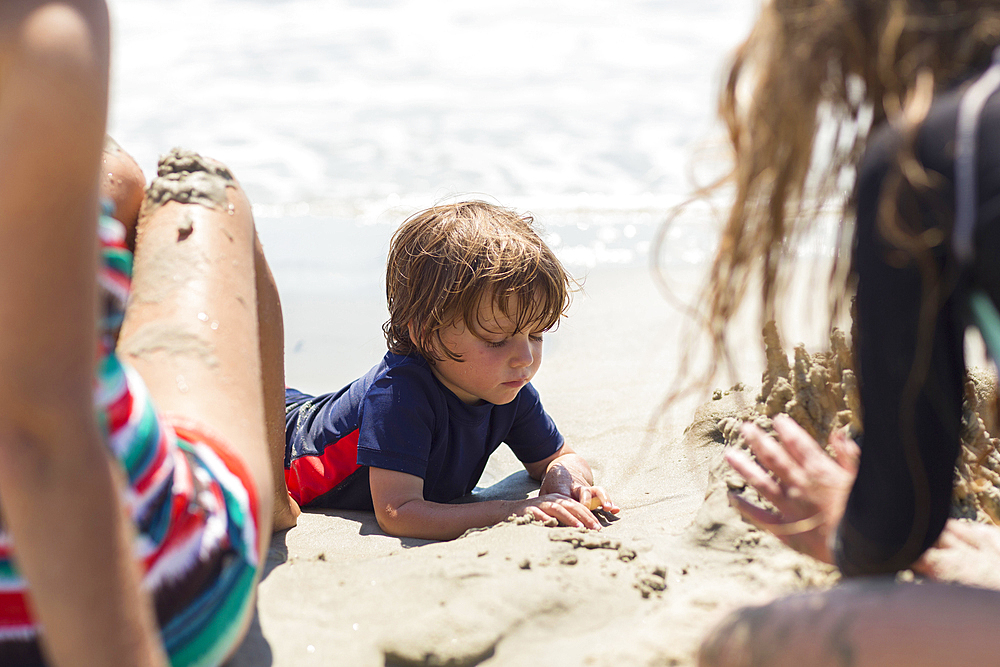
(272, 347)
(865, 623)
(190, 328)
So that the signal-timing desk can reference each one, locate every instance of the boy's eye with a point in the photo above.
(534, 338)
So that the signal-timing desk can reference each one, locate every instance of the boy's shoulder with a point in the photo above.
(402, 367)
(401, 388)
(406, 372)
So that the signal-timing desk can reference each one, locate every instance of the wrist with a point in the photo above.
(509, 508)
(556, 480)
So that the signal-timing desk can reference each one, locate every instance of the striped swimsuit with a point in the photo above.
(192, 500)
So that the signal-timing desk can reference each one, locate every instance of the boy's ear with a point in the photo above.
(411, 329)
(426, 347)
(415, 335)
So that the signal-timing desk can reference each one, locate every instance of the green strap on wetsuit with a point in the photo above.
(987, 319)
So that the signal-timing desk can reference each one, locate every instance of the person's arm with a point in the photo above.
(59, 496)
(402, 511)
(867, 622)
(567, 473)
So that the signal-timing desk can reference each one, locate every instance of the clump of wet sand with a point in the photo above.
(976, 492)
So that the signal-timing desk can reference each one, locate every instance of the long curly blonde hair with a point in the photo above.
(807, 68)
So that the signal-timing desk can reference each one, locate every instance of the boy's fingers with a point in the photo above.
(952, 535)
(603, 501)
(966, 532)
(535, 512)
(976, 535)
(593, 498)
(580, 514)
(585, 516)
(558, 508)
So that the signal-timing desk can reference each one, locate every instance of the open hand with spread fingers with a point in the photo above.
(807, 487)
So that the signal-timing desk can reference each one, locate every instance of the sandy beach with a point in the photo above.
(642, 591)
(340, 118)
(333, 112)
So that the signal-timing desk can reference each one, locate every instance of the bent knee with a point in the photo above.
(187, 177)
(123, 182)
(193, 206)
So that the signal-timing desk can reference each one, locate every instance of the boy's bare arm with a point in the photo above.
(567, 473)
(401, 509)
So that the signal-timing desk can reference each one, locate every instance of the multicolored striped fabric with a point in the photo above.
(192, 499)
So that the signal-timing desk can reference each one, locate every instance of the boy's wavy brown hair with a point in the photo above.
(843, 66)
(444, 261)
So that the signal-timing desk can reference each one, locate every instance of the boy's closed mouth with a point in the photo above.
(516, 383)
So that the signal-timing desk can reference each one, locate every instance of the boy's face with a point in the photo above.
(493, 368)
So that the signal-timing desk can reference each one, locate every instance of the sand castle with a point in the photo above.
(820, 392)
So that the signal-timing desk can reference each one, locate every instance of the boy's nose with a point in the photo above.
(522, 354)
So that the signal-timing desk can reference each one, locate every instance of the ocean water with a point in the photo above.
(365, 110)
(342, 117)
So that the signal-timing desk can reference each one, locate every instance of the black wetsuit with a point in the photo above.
(902, 496)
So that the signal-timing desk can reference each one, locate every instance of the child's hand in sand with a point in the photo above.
(965, 553)
(565, 510)
(594, 498)
(808, 487)
(569, 475)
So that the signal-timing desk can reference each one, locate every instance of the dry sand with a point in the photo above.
(642, 591)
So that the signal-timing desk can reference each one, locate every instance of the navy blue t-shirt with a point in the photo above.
(400, 417)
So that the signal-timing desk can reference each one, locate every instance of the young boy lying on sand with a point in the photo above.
(471, 289)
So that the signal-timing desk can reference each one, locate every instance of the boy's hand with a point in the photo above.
(594, 497)
(567, 474)
(565, 510)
